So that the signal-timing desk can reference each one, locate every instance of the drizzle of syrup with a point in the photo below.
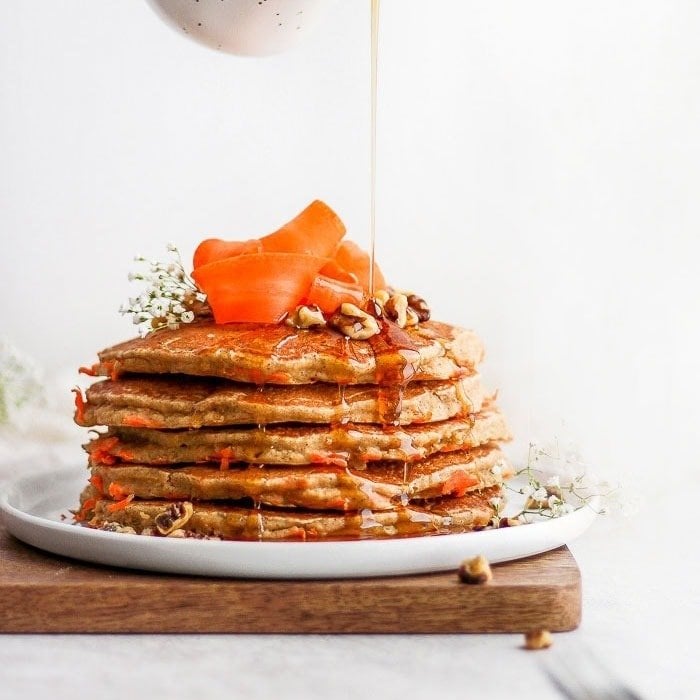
(397, 361)
(344, 407)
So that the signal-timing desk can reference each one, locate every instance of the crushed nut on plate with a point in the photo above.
(539, 639)
(475, 570)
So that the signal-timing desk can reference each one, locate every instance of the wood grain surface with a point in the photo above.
(42, 593)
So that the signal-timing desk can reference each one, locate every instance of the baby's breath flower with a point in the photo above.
(540, 494)
(553, 502)
(558, 483)
(170, 298)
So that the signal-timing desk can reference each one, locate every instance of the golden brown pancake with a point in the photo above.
(305, 444)
(231, 522)
(279, 354)
(189, 402)
(382, 486)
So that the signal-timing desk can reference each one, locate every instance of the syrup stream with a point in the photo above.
(373, 139)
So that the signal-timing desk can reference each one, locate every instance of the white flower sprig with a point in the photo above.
(558, 483)
(171, 297)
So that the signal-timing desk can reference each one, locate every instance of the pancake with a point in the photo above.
(382, 486)
(352, 445)
(186, 402)
(232, 522)
(278, 354)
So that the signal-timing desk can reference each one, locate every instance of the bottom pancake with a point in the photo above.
(381, 486)
(209, 520)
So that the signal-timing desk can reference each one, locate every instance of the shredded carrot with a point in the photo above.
(337, 459)
(90, 371)
(116, 491)
(79, 406)
(458, 484)
(112, 369)
(225, 457)
(87, 506)
(97, 482)
(100, 450)
(140, 422)
(120, 505)
(297, 533)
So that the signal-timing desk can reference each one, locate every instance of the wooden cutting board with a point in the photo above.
(40, 592)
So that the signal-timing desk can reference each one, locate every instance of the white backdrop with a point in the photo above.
(539, 165)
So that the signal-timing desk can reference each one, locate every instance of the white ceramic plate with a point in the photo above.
(32, 508)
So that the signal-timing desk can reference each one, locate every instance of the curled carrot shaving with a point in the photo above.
(328, 293)
(215, 249)
(458, 484)
(90, 371)
(79, 405)
(120, 505)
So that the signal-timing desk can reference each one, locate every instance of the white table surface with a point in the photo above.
(641, 615)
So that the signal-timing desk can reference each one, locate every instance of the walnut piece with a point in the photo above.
(419, 306)
(395, 309)
(306, 317)
(174, 518)
(539, 639)
(475, 570)
(354, 323)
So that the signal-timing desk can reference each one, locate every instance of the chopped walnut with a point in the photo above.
(382, 296)
(475, 570)
(539, 639)
(396, 308)
(354, 323)
(306, 317)
(419, 306)
(509, 522)
(174, 518)
(412, 318)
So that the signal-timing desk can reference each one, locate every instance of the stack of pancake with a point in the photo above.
(267, 432)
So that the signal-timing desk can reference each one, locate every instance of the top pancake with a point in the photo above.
(279, 354)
